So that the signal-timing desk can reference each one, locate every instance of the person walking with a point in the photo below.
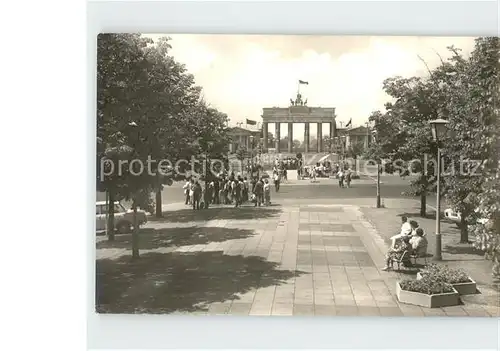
(276, 178)
(187, 189)
(348, 177)
(222, 193)
(207, 194)
(245, 189)
(191, 191)
(340, 175)
(237, 188)
(253, 182)
(216, 191)
(197, 192)
(259, 193)
(227, 192)
(267, 193)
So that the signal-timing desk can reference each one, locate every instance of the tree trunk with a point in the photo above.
(159, 212)
(111, 214)
(135, 234)
(423, 204)
(464, 230)
(423, 195)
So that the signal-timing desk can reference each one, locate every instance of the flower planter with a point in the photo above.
(467, 288)
(424, 300)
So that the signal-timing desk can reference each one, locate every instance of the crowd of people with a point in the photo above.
(227, 190)
(345, 177)
(411, 239)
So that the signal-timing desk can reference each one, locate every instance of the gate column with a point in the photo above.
(290, 137)
(320, 137)
(278, 137)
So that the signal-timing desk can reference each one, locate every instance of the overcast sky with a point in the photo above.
(241, 74)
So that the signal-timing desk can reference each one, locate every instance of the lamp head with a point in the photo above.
(438, 128)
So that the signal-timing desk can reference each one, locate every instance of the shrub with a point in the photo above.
(426, 286)
(445, 274)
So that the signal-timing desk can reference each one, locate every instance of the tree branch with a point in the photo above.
(426, 65)
(440, 57)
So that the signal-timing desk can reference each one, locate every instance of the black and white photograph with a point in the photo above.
(297, 175)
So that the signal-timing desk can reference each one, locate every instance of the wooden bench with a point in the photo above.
(416, 256)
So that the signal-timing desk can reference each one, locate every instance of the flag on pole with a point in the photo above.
(251, 122)
(303, 82)
(348, 123)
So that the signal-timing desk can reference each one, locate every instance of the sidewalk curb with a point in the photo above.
(372, 230)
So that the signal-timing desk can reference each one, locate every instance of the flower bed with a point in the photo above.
(426, 292)
(456, 277)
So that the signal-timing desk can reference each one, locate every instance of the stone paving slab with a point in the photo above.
(336, 265)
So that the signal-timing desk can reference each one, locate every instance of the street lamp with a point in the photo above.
(207, 158)
(342, 144)
(374, 136)
(438, 128)
(252, 141)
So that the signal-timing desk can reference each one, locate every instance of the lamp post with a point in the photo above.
(207, 159)
(251, 155)
(342, 144)
(379, 204)
(438, 128)
(259, 153)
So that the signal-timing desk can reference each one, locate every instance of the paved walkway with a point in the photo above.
(293, 260)
(387, 220)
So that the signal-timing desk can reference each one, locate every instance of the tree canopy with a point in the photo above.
(464, 91)
(148, 109)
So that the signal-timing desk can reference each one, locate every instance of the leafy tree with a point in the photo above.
(121, 67)
(474, 106)
(209, 131)
(465, 92)
(462, 186)
(355, 150)
(463, 95)
(241, 153)
(488, 234)
(148, 109)
(170, 91)
(405, 131)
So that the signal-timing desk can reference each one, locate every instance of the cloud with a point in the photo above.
(241, 74)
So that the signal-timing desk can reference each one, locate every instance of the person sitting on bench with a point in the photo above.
(419, 243)
(406, 230)
(397, 252)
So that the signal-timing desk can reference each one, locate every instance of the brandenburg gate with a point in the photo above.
(298, 112)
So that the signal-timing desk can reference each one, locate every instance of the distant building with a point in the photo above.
(360, 136)
(297, 112)
(241, 137)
